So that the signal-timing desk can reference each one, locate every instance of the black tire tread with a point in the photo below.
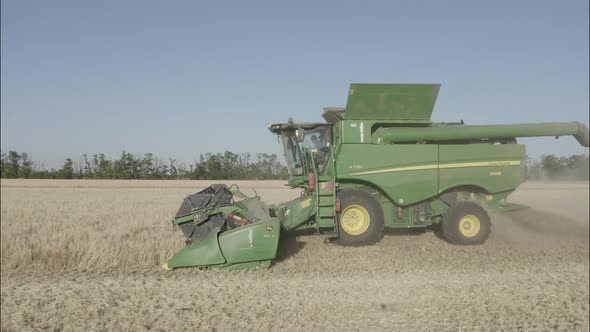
(365, 199)
(450, 231)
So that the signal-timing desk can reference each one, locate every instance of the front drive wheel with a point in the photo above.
(466, 223)
(361, 220)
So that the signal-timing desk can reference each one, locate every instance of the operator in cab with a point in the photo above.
(316, 142)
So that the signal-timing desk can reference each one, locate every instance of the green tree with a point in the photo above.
(578, 167)
(25, 169)
(67, 171)
(127, 167)
(218, 166)
(199, 170)
(173, 169)
(160, 169)
(147, 166)
(103, 167)
(2, 161)
(551, 165)
(88, 172)
(230, 165)
(11, 165)
(214, 166)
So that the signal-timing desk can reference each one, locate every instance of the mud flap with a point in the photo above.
(202, 253)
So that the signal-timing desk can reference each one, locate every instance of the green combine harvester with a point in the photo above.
(379, 162)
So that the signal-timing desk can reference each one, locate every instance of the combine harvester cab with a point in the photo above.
(379, 162)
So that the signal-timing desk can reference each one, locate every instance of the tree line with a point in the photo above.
(210, 166)
(550, 167)
(224, 166)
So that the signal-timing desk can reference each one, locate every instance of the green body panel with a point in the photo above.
(492, 167)
(355, 132)
(253, 242)
(391, 169)
(389, 213)
(409, 174)
(297, 212)
(391, 101)
(202, 253)
(250, 246)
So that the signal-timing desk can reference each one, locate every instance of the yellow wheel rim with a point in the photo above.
(355, 220)
(469, 225)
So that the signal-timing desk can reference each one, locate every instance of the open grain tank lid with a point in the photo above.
(391, 101)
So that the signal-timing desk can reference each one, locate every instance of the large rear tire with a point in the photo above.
(360, 221)
(466, 223)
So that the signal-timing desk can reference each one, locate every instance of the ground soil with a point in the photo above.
(85, 255)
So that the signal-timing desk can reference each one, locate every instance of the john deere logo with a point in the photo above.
(268, 228)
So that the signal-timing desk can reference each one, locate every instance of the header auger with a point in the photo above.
(379, 162)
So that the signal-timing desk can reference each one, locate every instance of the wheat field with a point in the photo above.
(86, 255)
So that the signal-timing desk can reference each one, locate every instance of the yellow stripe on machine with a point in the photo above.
(443, 166)
(482, 164)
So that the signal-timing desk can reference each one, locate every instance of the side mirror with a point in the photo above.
(300, 135)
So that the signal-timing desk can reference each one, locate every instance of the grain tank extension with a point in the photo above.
(378, 162)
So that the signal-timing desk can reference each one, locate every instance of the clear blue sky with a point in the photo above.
(181, 78)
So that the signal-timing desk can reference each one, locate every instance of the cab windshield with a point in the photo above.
(316, 144)
(292, 153)
(316, 138)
